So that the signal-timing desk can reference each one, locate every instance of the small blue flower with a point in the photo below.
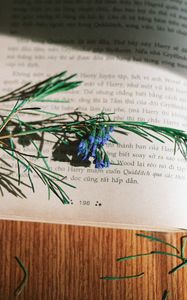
(99, 164)
(92, 146)
(101, 160)
(98, 140)
(106, 134)
(111, 128)
(91, 139)
(106, 138)
(82, 144)
(83, 149)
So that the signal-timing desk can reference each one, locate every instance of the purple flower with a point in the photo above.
(106, 134)
(99, 164)
(105, 138)
(98, 140)
(83, 149)
(91, 139)
(92, 146)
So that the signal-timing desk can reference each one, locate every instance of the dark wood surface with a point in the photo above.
(66, 262)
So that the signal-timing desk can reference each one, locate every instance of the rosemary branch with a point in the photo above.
(88, 133)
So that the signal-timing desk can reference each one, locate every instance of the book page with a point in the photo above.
(132, 61)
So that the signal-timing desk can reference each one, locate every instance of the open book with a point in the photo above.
(132, 59)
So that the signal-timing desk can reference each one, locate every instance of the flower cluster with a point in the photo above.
(92, 146)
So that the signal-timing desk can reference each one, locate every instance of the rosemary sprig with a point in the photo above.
(13, 127)
(38, 92)
(52, 179)
(89, 134)
(94, 132)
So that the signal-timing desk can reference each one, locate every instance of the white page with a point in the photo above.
(149, 187)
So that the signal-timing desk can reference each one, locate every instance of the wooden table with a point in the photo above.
(66, 262)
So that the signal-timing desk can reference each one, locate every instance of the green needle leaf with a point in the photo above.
(165, 295)
(182, 265)
(167, 253)
(133, 256)
(23, 282)
(124, 277)
(155, 239)
(183, 245)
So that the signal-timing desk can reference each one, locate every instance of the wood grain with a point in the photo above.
(66, 263)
